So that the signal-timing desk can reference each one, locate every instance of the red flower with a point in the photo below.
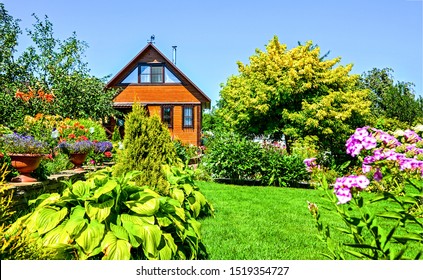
(84, 138)
(108, 154)
(71, 136)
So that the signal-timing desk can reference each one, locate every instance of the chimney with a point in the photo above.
(174, 55)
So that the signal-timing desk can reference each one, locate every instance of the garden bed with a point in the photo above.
(23, 192)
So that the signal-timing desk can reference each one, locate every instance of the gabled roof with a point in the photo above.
(151, 48)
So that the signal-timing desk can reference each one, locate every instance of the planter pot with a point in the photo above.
(25, 164)
(78, 160)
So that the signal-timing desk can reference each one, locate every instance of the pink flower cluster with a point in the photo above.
(345, 185)
(310, 163)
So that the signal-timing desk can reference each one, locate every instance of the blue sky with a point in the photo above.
(211, 36)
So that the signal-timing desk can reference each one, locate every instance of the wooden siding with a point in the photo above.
(186, 135)
(155, 93)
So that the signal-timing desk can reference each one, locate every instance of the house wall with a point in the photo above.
(186, 135)
(155, 93)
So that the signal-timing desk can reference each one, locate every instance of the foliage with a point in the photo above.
(391, 100)
(114, 218)
(22, 144)
(50, 76)
(148, 146)
(185, 151)
(101, 153)
(232, 156)
(294, 93)
(17, 246)
(396, 169)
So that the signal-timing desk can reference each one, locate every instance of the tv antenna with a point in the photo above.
(152, 37)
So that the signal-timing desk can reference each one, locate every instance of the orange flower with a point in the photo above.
(71, 136)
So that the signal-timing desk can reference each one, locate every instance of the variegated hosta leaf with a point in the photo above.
(114, 248)
(81, 189)
(76, 222)
(167, 247)
(108, 187)
(177, 194)
(139, 220)
(119, 231)
(91, 237)
(99, 211)
(145, 204)
(57, 236)
(48, 218)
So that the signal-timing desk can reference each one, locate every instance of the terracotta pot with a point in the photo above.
(25, 164)
(78, 160)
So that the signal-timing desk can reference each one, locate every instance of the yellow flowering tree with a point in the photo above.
(294, 93)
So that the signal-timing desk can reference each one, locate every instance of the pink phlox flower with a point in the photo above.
(350, 181)
(378, 154)
(310, 163)
(369, 160)
(362, 182)
(378, 175)
(366, 168)
(339, 183)
(343, 195)
(390, 155)
(361, 133)
(369, 142)
(405, 163)
(354, 148)
(411, 136)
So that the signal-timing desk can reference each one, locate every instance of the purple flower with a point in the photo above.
(22, 144)
(343, 195)
(361, 133)
(344, 185)
(378, 175)
(362, 182)
(369, 142)
(366, 168)
(102, 147)
(411, 136)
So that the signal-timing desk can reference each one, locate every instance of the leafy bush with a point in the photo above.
(184, 151)
(237, 158)
(147, 147)
(111, 217)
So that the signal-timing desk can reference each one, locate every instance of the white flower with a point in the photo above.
(55, 134)
(92, 129)
(398, 133)
(120, 146)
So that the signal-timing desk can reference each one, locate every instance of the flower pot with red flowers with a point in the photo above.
(77, 152)
(25, 153)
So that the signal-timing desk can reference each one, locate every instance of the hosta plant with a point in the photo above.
(107, 217)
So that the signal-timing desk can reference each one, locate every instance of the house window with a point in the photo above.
(167, 115)
(188, 117)
(150, 73)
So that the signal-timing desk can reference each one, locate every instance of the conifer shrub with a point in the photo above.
(147, 147)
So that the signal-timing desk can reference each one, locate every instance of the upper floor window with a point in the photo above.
(152, 73)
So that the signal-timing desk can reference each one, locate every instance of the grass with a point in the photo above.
(260, 223)
(265, 223)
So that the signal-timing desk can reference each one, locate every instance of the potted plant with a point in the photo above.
(77, 151)
(25, 153)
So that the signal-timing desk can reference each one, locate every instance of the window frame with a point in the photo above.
(170, 107)
(151, 76)
(184, 125)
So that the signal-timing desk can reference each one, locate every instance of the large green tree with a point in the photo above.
(392, 100)
(294, 93)
(49, 66)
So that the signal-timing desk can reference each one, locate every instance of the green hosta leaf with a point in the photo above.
(91, 237)
(200, 198)
(81, 189)
(131, 228)
(144, 205)
(137, 219)
(150, 236)
(48, 218)
(167, 247)
(119, 231)
(99, 211)
(196, 208)
(40, 198)
(50, 200)
(177, 194)
(187, 188)
(114, 248)
(163, 221)
(180, 212)
(57, 236)
(196, 226)
(108, 187)
(76, 222)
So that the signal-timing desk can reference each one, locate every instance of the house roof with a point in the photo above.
(114, 82)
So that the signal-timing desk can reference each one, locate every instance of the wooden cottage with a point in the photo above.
(154, 81)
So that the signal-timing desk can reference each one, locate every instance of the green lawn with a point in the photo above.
(265, 223)
(260, 223)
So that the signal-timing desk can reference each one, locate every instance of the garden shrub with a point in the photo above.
(147, 147)
(108, 217)
(237, 158)
(184, 151)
